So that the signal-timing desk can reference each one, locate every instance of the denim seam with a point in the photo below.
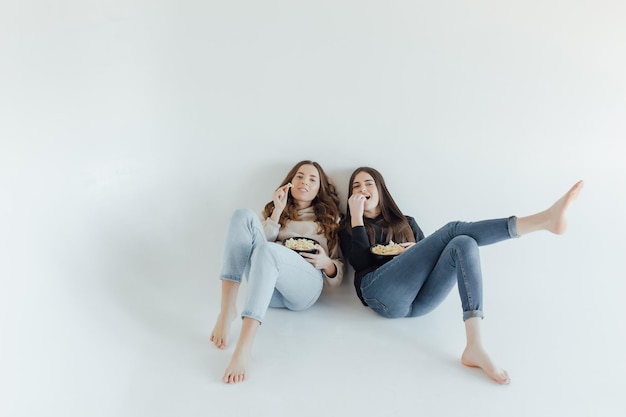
(461, 261)
(382, 305)
(248, 313)
(376, 277)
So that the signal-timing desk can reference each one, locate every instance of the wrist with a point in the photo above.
(331, 270)
(275, 216)
(357, 222)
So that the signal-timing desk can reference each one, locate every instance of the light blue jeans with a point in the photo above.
(276, 276)
(417, 281)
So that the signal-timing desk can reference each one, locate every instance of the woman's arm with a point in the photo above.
(271, 225)
(357, 248)
(337, 266)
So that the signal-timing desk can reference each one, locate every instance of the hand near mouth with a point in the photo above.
(280, 198)
(356, 203)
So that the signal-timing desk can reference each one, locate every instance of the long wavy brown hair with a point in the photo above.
(325, 205)
(394, 224)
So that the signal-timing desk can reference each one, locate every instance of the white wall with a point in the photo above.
(129, 130)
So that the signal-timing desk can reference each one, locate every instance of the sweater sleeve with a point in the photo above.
(337, 258)
(357, 248)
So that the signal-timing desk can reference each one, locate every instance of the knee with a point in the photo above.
(452, 224)
(241, 215)
(450, 228)
(464, 244)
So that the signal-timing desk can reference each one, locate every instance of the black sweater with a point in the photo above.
(356, 248)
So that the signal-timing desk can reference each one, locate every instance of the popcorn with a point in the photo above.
(300, 244)
(391, 248)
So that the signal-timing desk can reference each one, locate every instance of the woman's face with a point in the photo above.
(306, 185)
(365, 185)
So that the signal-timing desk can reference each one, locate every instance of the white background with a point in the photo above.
(130, 130)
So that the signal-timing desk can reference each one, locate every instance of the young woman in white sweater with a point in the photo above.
(305, 205)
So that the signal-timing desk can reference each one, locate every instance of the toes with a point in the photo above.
(576, 189)
(234, 377)
(502, 377)
(219, 343)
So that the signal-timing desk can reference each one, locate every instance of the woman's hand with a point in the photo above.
(356, 204)
(404, 246)
(280, 201)
(321, 261)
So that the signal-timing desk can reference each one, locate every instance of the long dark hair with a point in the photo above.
(394, 224)
(325, 205)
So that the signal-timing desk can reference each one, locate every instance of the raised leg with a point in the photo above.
(553, 219)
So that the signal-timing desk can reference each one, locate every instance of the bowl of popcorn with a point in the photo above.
(383, 251)
(301, 244)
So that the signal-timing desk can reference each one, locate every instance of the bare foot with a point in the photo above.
(236, 370)
(219, 335)
(553, 219)
(557, 220)
(476, 357)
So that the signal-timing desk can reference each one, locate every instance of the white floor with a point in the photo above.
(139, 346)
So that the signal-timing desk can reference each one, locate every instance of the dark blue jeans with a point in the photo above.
(417, 281)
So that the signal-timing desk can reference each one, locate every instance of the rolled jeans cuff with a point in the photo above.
(473, 313)
(233, 279)
(245, 314)
(513, 226)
